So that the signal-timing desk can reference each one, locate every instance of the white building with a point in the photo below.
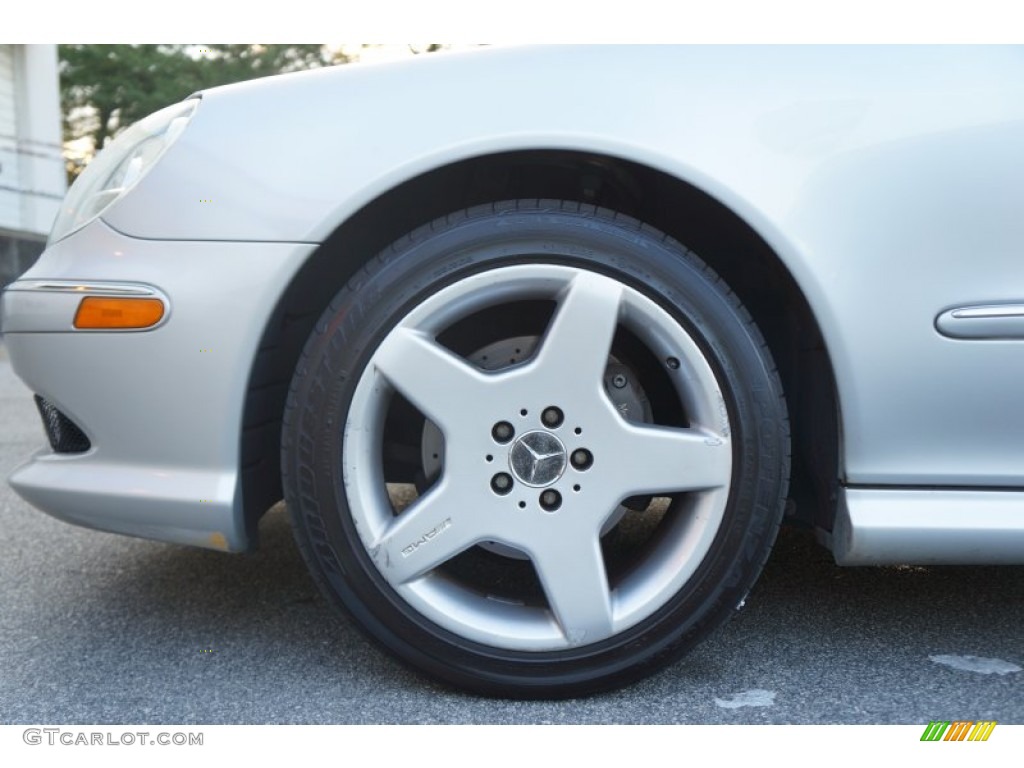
(32, 179)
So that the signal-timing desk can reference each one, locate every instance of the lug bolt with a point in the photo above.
(619, 381)
(550, 500)
(501, 483)
(581, 458)
(672, 362)
(552, 417)
(503, 432)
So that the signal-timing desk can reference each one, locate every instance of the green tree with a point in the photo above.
(106, 88)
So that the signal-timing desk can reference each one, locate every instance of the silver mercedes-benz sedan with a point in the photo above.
(542, 345)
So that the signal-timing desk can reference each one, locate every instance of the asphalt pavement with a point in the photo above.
(97, 628)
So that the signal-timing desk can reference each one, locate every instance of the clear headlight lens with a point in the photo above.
(120, 166)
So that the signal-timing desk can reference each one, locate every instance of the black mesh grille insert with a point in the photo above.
(63, 433)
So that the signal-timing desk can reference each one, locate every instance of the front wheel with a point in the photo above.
(536, 449)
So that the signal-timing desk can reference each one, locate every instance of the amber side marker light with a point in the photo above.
(104, 312)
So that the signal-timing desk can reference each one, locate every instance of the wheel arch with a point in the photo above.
(703, 223)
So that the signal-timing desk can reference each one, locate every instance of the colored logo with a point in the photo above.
(958, 730)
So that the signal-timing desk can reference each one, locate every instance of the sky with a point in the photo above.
(534, 21)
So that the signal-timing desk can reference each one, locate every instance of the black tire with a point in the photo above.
(588, 240)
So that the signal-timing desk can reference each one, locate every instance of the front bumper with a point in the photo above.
(162, 408)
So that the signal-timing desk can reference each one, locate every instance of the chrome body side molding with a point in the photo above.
(991, 321)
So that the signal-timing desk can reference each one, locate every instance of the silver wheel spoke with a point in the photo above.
(665, 459)
(432, 378)
(579, 339)
(434, 529)
(571, 569)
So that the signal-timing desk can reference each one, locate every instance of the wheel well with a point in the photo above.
(706, 226)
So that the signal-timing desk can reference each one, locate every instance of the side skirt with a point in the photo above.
(889, 526)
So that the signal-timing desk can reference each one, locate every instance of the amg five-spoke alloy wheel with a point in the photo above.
(536, 449)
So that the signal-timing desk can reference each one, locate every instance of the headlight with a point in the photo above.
(120, 166)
